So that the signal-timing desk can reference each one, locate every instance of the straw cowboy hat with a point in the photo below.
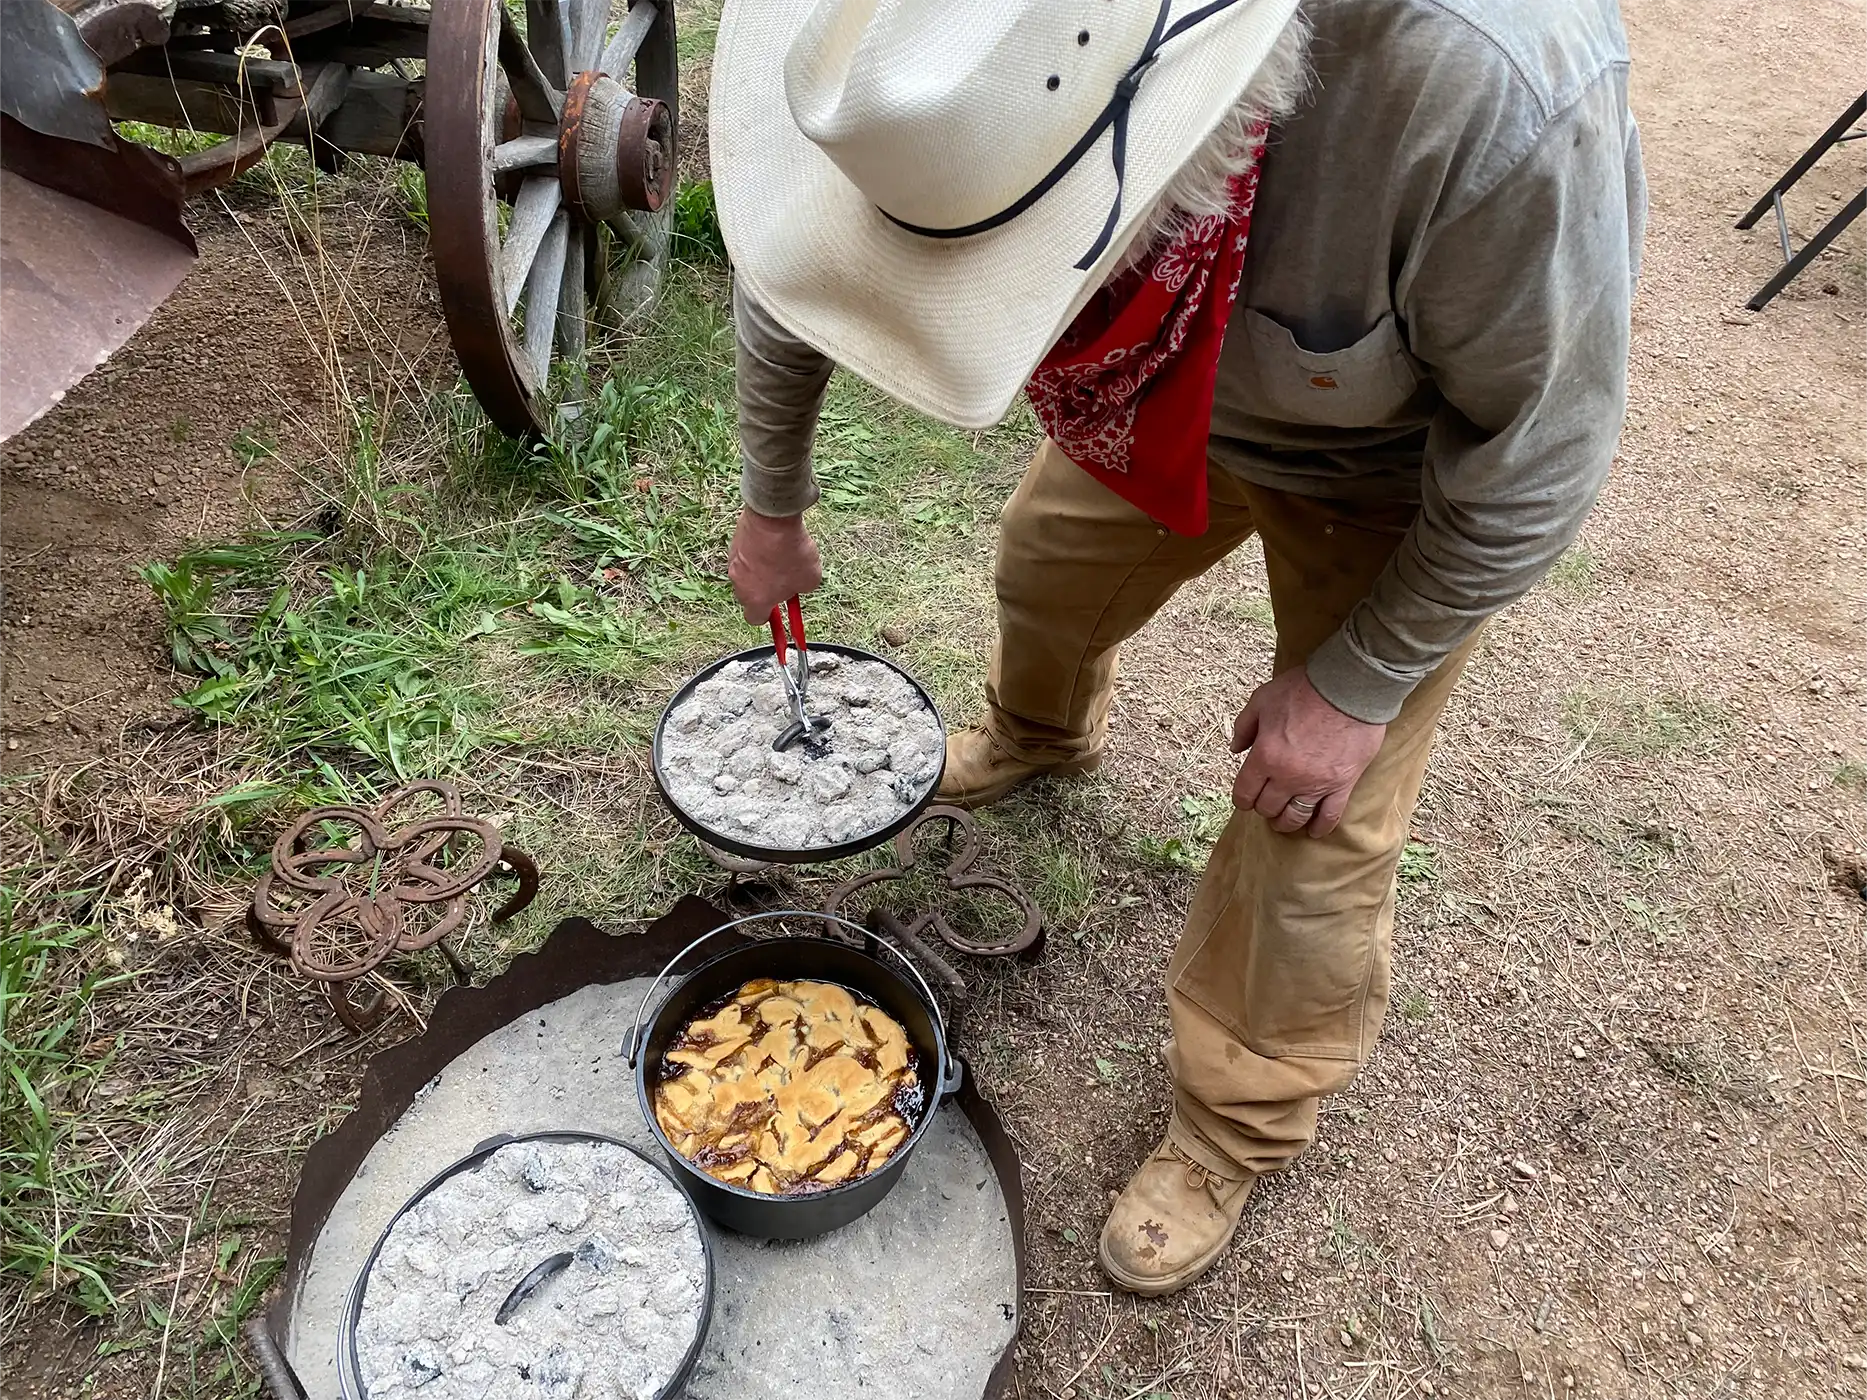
(928, 191)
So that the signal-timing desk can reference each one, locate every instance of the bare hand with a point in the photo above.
(1306, 755)
(772, 558)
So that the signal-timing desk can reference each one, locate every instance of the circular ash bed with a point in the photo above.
(615, 1323)
(880, 754)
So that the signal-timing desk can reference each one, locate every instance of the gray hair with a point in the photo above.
(1201, 186)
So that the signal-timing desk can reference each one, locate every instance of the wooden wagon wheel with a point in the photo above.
(550, 159)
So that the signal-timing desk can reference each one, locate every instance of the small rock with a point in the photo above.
(895, 636)
(1687, 1300)
(1524, 1168)
(1390, 1154)
(1579, 1052)
(1692, 1339)
(1290, 1275)
(11, 745)
(1510, 1204)
(1855, 1361)
(1500, 1239)
(1348, 1338)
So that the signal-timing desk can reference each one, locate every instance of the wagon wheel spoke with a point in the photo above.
(524, 153)
(532, 213)
(547, 34)
(541, 294)
(589, 23)
(537, 99)
(573, 301)
(627, 41)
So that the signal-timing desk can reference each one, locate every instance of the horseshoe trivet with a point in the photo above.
(961, 852)
(394, 880)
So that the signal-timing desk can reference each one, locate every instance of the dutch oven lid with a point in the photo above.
(617, 1277)
(740, 845)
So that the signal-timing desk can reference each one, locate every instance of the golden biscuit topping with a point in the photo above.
(789, 1087)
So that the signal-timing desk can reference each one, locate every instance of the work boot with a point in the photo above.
(1171, 1223)
(979, 771)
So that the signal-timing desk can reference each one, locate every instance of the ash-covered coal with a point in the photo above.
(614, 1324)
(880, 754)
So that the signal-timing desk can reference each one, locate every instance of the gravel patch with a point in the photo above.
(877, 759)
(613, 1324)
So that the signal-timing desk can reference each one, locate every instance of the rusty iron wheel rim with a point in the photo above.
(499, 250)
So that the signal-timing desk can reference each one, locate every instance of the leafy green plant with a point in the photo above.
(696, 231)
(352, 660)
(411, 188)
(583, 631)
(1419, 866)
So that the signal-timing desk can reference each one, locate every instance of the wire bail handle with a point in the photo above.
(638, 1034)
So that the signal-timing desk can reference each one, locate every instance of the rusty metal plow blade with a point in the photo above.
(76, 282)
(91, 233)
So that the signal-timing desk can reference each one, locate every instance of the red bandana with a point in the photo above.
(1127, 392)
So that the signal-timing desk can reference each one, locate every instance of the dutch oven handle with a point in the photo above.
(530, 1284)
(951, 1073)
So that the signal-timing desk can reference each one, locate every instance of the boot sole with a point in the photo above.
(1143, 1287)
(985, 797)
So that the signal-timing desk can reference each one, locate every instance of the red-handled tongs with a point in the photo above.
(798, 686)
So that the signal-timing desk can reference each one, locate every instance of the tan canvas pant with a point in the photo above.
(1279, 983)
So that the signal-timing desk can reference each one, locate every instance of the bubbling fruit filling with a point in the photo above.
(789, 1087)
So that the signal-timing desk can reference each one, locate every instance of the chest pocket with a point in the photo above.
(1366, 385)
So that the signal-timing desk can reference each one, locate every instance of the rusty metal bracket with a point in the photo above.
(388, 885)
(962, 849)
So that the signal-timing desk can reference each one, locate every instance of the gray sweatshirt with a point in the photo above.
(1434, 309)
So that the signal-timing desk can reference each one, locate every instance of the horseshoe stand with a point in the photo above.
(1020, 936)
(393, 881)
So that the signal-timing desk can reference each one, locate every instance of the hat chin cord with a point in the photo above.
(1113, 116)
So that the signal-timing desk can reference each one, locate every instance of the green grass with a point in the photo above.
(699, 26)
(61, 1207)
(1574, 574)
(430, 614)
(170, 141)
(696, 235)
(1252, 610)
(1418, 869)
(1633, 725)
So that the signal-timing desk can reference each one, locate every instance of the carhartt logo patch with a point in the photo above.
(1323, 381)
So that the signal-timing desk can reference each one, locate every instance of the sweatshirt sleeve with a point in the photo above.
(1519, 309)
(781, 383)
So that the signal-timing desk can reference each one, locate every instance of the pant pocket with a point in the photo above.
(1297, 966)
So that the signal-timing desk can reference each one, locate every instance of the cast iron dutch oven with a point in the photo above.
(349, 1374)
(791, 959)
(785, 855)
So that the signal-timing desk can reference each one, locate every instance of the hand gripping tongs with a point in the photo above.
(798, 686)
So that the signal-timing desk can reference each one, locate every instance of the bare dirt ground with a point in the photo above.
(1614, 1139)
(195, 430)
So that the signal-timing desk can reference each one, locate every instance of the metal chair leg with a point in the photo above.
(1831, 230)
(1829, 138)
